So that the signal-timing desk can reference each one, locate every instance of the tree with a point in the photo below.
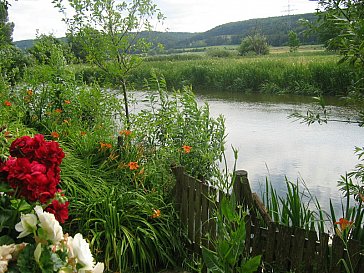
(293, 41)
(108, 32)
(256, 44)
(49, 50)
(6, 28)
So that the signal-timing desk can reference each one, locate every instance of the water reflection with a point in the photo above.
(271, 145)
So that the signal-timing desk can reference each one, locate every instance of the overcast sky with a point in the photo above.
(181, 15)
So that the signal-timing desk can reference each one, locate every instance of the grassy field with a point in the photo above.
(307, 72)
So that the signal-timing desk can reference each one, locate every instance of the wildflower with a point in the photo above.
(58, 110)
(7, 103)
(30, 92)
(156, 213)
(125, 132)
(83, 133)
(344, 223)
(133, 165)
(186, 149)
(55, 135)
(67, 101)
(105, 145)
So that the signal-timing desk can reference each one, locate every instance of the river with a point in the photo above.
(273, 146)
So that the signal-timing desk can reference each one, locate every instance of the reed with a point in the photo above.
(310, 74)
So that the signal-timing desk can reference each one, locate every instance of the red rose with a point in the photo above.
(60, 210)
(21, 147)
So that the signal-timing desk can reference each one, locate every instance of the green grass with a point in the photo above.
(303, 74)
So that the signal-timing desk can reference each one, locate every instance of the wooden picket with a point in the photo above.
(284, 248)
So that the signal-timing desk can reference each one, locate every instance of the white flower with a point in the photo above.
(3, 266)
(50, 225)
(6, 252)
(27, 224)
(80, 250)
(99, 268)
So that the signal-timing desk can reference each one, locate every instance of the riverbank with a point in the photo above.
(306, 73)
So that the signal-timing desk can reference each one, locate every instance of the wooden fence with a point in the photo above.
(284, 248)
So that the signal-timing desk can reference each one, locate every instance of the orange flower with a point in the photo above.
(55, 135)
(133, 165)
(58, 110)
(83, 133)
(156, 213)
(344, 223)
(105, 145)
(186, 149)
(30, 92)
(125, 132)
(67, 101)
(7, 103)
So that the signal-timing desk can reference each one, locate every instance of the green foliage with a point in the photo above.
(6, 28)
(294, 209)
(230, 242)
(293, 41)
(13, 64)
(48, 50)
(254, 44)
(219, 53)
(171, 121)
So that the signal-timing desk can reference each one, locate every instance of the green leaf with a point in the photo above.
(251, 265)
(45, 261)
(26, 262)
(6, 240)
(212, 261)
(227, 210)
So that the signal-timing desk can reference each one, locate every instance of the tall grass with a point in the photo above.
(287, 73)
(297, 208)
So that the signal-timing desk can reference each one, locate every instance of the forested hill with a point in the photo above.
(274, 28)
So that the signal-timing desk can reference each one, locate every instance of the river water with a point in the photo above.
(273, 146)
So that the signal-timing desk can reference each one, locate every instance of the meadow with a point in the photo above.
(310, 71)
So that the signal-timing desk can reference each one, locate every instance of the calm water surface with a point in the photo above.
(271, 145)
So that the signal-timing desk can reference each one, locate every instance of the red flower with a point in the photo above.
(60, 210)
(7, 103)
(35, 173)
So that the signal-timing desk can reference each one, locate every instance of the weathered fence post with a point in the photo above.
(241, 188)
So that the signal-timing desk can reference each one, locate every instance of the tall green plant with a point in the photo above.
(230, 255)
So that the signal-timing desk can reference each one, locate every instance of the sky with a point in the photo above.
(32, 16)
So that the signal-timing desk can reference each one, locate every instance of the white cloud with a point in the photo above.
(182, 15)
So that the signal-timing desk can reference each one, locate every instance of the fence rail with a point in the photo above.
(285, 248)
